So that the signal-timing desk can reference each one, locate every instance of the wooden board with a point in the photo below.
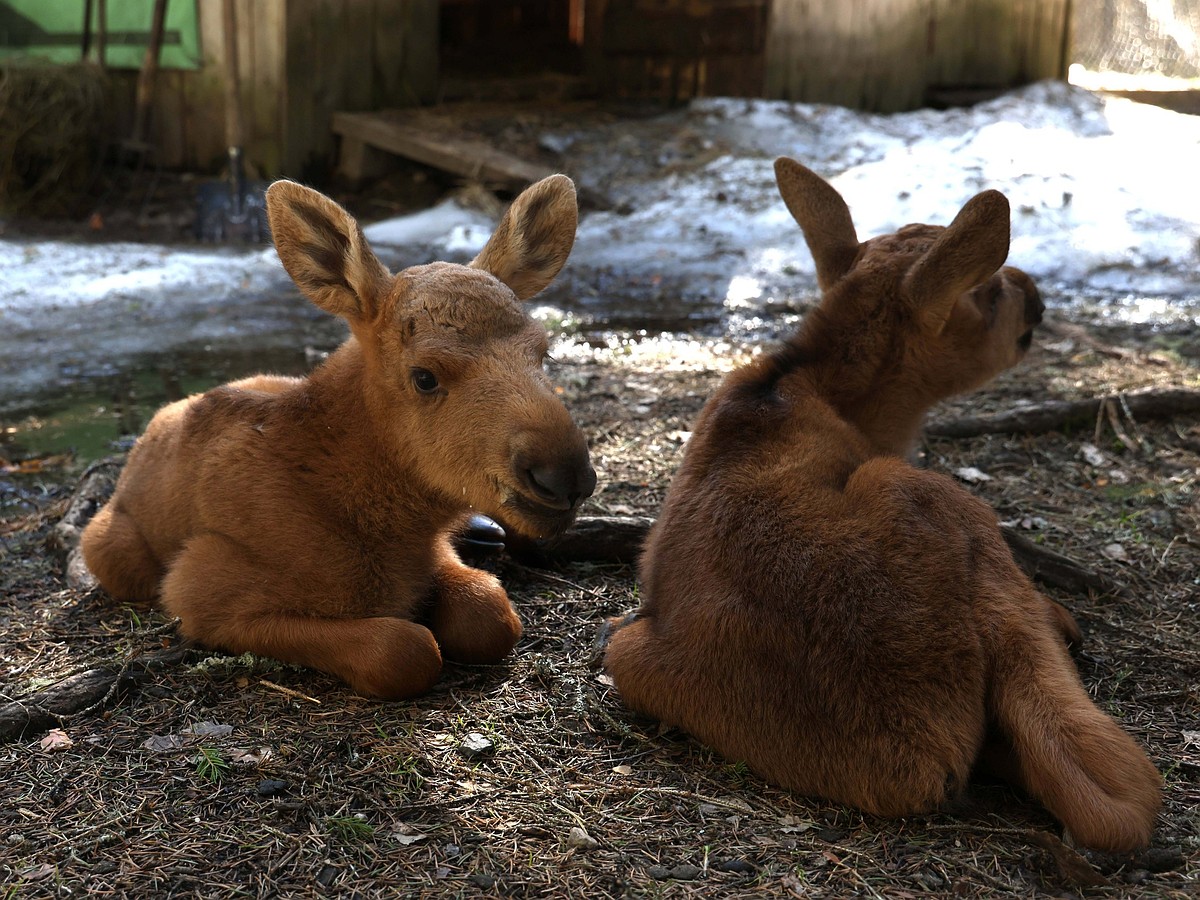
(891, 55)
(469, 157)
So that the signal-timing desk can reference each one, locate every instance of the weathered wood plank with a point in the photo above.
(460, 155)
(887, 55)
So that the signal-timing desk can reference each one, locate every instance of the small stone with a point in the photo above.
(482, 881)
(270, 787)
(476, 746)
(740, 866)
(658, 873)
(579, 839)
(685, 872)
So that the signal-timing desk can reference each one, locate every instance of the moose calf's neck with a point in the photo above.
(857, 374)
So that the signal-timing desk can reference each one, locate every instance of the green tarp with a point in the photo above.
(53, 30)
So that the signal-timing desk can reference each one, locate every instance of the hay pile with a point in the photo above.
(52, 120)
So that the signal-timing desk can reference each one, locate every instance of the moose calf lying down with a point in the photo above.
(309, 519)
(848, 625)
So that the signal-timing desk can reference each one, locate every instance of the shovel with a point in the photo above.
(232, 210)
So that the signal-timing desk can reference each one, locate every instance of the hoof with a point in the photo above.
(481, 539)
(608, 628)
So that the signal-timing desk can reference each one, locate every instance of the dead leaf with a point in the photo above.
(406, 835)
(623, 770)
(794, 825)
(1191, 738)
(56, 739)
(250, 758)
(1116, 552)
(209, 729)
(164, 743)
(605, 680)
(794, 886)
(35, 466)
(36, 873)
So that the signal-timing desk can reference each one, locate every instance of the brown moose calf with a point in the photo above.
(846, 624)
(309, 519)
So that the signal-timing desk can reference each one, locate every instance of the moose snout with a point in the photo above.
(560, 481)
(1034, 307)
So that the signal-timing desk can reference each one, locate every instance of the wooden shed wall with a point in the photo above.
(299, 61)
(889, 55)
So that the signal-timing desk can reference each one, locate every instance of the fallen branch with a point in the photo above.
(80, 694)
(1053, 415)
(1056, 570)
(620, 539)
(95, 487)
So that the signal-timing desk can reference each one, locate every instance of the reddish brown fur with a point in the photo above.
(846, 624)
(309, 519)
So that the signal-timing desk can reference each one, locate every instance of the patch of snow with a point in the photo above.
(447, 225)
(1104, 193)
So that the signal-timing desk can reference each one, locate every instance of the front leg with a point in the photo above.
(471, 616)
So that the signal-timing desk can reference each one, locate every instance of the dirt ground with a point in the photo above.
(217, 776)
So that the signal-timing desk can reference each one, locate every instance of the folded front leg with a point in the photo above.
(472, 617)
(224, 600)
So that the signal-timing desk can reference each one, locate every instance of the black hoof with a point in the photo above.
(607, 629)
(480, 539)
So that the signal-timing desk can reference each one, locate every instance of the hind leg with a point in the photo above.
(1065, 624)
(634, 659)
(118, 555)
(472, 617)
(224, 600)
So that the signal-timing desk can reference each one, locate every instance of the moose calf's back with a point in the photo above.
(846, 624)
(311, 519)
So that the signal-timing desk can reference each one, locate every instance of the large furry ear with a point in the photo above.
(323, 248)
(534, 238)
(822, 215)
(970, 251)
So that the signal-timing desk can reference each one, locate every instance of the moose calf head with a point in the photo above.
(453, 361)
(922, 314)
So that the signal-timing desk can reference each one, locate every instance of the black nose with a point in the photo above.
(560, 485)
(1034, 307)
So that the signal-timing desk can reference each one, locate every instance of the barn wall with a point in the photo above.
(890, 55)
(299, 61)
(672, 50)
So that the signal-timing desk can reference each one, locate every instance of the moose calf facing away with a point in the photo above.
(848, 625)
(310, 519)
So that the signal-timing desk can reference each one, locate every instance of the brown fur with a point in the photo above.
(846, 624)
(308, 518)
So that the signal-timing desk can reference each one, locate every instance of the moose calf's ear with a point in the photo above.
(967, 253)
(822, 215)
(534, 238)
(323, 248)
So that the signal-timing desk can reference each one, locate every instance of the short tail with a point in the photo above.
(1072, 757)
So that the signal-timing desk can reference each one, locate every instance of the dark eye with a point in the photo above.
(424, 381)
